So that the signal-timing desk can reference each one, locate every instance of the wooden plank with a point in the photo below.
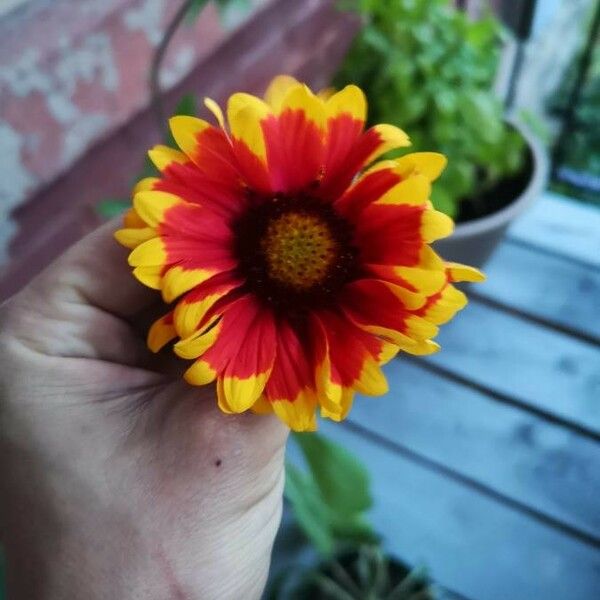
(544, 369)
(512, 453)
(561, 225)
(472, 544)
(562, 292)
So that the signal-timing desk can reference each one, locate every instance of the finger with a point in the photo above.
(96, 269)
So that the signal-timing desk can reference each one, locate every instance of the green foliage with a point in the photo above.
(329, 500)
(581, 151)
(428, 68)
(371, 576)
(331, 497)
(113, 207)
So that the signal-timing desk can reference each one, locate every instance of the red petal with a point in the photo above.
(292, 373)
(347, 151)
(349, 347)
(368, 189)
(214, 155)
(294, 150)
(247, 342)
(369, 302)
(223, 196)
(390, 234)
(251, 168)
(195, 238)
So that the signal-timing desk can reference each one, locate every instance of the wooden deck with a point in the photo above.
(485, 458)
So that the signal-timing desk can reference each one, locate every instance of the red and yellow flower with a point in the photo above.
(297, 266)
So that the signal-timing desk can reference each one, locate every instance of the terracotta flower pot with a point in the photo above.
(474, 241)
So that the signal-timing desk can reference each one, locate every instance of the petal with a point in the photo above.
(369, 188)
(152, 205)
(193, 307)
(213, 186)
(459, 272)
(388, 352)
(300, 98)
(351, 100)
(131, 219)
(133, 237)
(244, 114)
(417, 279)
(178, 280)
(420, 329)
(291, 372)
(349, 151)
(352, 353)
(262, 406)
(200, 373)
(149, 276)
(197, 239)
(294, 141)
(372, 306)
(343, 158)
(215, 109)
(277, 90)
(413, 191)
(390, 137)
(429, 164)
(441, 307)
(243, 353)
(161, 332)
(391, 234)
(149, 254)
(163, 157)
(339, 412)
(198, 343)
(298, 415)
(186, 131)
(422, 348)
(436, 225)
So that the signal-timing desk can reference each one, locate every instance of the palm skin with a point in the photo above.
(118, 479)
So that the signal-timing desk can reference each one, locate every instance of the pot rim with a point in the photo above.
(539, 176)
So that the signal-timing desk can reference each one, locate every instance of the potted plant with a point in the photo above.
(344, 558)
(428, 68)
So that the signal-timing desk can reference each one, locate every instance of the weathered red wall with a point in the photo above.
(307, 38)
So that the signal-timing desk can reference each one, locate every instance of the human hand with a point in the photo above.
(120, 481)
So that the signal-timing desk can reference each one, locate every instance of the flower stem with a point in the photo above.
(154, 80)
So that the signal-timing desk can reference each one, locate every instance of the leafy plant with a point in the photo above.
(579, 157)
(369, 575)
(429, 69)
(330, 499)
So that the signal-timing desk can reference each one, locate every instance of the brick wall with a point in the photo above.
(307, 38)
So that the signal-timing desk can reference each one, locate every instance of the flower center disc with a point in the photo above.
(299, 249)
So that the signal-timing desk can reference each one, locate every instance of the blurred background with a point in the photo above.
(482, 464)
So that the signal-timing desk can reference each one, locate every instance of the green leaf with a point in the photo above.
(309, 510)
(112, 208)
(194, 10)
(342, 480)
(444, 201)
(353, 529)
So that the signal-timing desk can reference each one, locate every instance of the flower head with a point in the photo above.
(297, 266)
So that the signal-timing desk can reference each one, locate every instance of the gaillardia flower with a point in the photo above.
(295, 264)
